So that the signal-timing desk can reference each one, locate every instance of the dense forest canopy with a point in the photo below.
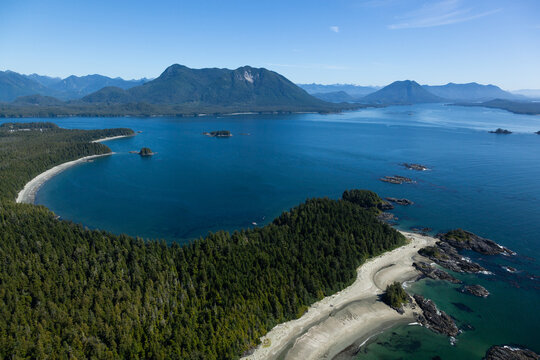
(70, 292)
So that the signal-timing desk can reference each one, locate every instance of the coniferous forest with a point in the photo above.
(69, 292)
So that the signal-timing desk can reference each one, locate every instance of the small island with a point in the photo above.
(219, 133)
(396, 179)
(417, 167)
(501, 131)
(146, 152)
(404, 202)
(537, 133)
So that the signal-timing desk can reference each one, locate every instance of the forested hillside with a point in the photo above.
(69, 292)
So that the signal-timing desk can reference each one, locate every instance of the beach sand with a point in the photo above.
(339, 320)
(28, 194)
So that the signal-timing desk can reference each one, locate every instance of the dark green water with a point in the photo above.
(489, 184)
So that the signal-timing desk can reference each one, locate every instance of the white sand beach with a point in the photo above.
(112, 138)
(28, 194)
(337, 321)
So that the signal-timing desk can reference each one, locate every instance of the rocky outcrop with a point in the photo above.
(501, 131)
(462, 239)
(146, 152)
(510, 353)
(396, 179)
(434, 273)
(435, 319)
(219, 133)
(446, 256)
(403, 202)
(385, 206)
(476, 290)
(387, 218)
(417, 167)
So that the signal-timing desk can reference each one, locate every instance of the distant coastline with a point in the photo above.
(337, 321)
(28, 194)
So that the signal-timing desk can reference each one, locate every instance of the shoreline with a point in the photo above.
(28, 194)
(112, 138)
(334, 323)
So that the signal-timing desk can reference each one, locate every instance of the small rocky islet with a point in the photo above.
(218, 133)
(417, 167)
(476, 290)
(145, 151)
(397, 179)
(403, 201)
(501, 131)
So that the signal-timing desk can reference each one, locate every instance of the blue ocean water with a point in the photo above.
(486, 183)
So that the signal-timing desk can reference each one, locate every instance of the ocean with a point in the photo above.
(486, 183)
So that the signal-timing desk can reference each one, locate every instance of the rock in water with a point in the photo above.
(417, 167)
(403, 202)
(462, 239)
(146, 152)
(510, 353)
(447, 256)
(434, 319)
(501, 131)
(476, 290)
(433, 273)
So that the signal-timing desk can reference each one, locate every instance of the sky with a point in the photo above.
(365, 42)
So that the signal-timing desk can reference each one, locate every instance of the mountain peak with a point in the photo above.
(402, 92)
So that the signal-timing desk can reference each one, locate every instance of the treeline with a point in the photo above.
(69, 292)
(28, 149)
(145, 109)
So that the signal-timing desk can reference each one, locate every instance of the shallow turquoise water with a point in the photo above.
(489, 184)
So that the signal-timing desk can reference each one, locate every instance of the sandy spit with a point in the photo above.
(28, 194)
(337, 321)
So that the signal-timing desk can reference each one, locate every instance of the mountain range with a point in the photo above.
(13, 85)
(409, 92)
(180, 90)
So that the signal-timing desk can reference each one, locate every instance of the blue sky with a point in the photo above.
(368, 42)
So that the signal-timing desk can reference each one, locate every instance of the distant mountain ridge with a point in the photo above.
(469, 92)
(336, 97)
(355, 91)
(401, 93)
(13, 85)
(245, 86)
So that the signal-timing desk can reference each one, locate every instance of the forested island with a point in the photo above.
(81, 293)
(516, 107)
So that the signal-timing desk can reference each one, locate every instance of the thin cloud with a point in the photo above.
(334, 29)
(439, 14)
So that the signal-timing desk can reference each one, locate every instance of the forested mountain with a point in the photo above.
(469, 92)
(245, 86)
(401, 92)
(70, 292)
